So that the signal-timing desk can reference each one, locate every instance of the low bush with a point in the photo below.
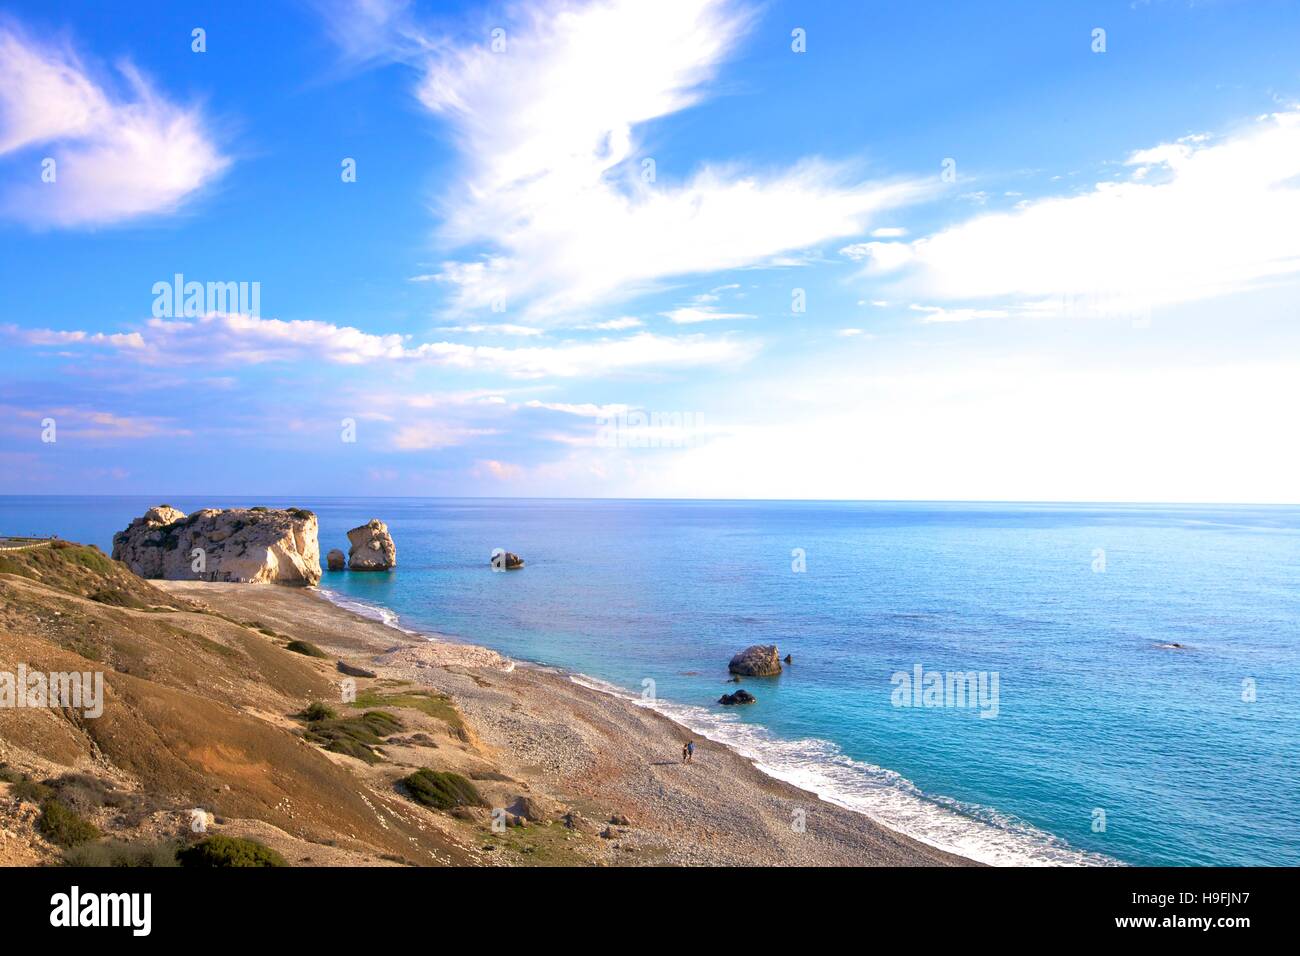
(317, 711)
(303, 647)
(354, 736)
(60, 825)
(115, 853)
(223, 851)
(442, 790)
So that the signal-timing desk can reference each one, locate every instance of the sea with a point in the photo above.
(1023, 684)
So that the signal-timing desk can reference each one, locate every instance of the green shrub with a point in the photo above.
(354, 736)
(442, 790)
(30, 791)
(304, 647)
(317, 711)
(115, 853)
(220, 851)
(60, 825)
(259, 508)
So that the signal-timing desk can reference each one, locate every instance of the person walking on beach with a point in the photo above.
(688, 751)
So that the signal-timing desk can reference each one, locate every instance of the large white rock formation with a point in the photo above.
(252, 545)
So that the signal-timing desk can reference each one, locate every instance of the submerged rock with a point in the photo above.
(372, 548)
(757, 660)
(335, 560)
(739, 697)
(247, 545)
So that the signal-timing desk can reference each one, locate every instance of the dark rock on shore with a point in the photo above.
(353, 671)
(757, 660)
(739, 697)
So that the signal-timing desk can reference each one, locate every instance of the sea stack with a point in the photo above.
(247, 545)
(372, 548)
(757, 660)
(336, 560)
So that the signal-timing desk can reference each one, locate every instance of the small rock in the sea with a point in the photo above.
(336, 560)
(372, 548)
(505, 560)
(739, 697)
(757, 660)
(788, 660)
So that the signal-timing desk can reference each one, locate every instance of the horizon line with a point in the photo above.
(932, 501)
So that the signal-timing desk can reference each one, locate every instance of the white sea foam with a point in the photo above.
(977, 833)
(375, 612)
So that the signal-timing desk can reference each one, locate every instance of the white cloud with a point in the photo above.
(692, 314)
(616, 325)
(937, 313)
(1198, 219)
(584, 410)
(250, 340)
(126, 340)
(504, 328)
(426, 435)
(92, 424)
(552, 172)
(500, 470)
(116, 159)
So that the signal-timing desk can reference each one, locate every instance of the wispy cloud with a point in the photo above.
(1195, 219)
(116, 158)
(554, 192)
(220, 338)
(78, 421)
(693, 314)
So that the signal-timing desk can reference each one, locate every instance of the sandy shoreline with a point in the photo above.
(600, 755)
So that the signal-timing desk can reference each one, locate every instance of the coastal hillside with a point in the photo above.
(198, 715)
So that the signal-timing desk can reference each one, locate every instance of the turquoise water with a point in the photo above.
(1093, 711)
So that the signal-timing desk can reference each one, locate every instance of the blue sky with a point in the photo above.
(949, 250)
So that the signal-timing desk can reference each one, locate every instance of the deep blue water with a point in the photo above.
(1093, 713)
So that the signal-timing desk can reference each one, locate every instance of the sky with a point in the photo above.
(685, 249)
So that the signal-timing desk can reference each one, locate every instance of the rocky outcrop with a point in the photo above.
(758, 660)
(248, 545)
(506, 561)
(372, 548)
(353, 671)
(739, 697)
(336, 560)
